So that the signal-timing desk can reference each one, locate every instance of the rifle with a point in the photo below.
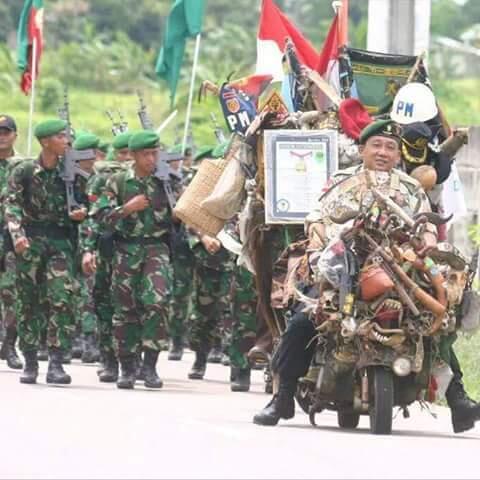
(71, 159)
(163, 171)
(219, 133)
(117, 127)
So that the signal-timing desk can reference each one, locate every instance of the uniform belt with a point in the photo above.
(47, 230)
(142, 240)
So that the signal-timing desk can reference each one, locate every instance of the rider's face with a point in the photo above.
(380, 153)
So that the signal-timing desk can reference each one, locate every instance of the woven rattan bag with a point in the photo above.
(188, 208)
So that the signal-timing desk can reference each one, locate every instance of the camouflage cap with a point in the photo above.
(382, 128)
(121, 140)
(143, 139)
(86, 141)
(50, 127)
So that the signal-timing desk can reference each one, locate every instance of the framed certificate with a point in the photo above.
(297, 167)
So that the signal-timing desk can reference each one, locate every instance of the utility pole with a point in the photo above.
(399, 26)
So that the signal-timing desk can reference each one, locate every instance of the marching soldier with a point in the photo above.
(98, 245)
(135, 206)
(41, 229)
(8, 157)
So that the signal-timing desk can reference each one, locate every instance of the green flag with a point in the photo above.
(184, 21)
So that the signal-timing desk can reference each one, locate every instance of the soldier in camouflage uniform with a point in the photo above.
(183, 268)
(99, 245)
(41, 230)
(135, 206)
(85, 312)
(8, 135)
(243, 334)
(213, 267)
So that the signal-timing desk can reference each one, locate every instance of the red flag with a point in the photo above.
(253, 86)
(274, 29)
(30, 30)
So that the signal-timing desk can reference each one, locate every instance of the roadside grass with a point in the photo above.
(468, 352)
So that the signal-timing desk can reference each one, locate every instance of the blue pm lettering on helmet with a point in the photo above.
(406, 108)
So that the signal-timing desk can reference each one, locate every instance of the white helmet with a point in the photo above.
(414, 102)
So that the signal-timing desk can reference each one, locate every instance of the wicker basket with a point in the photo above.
(188, 208)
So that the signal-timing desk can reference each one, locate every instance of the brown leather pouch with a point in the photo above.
(374, 282)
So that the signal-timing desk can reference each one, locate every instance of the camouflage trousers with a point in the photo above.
(45, 284)
(210, 304)
(85, 315)
(183, 262)
(244, 305)
(8, 293)
(141, 283)
(102, 299)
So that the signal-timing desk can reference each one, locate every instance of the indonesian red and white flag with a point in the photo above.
(273, 30)
(337, 37)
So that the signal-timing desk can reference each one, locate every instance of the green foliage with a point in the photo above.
(50, 97)
(468, 351)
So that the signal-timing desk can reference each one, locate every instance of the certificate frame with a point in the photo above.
(297, 166)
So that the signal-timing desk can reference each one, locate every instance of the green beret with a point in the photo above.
(143, 139)
(382, 128)
(103, 146)
(220, 150)
(49, 128)
(176, 149)
(121, 140)
(86, 141)
(202, 152)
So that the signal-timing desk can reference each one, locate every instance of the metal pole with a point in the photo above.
(32, 97)
(190, 95)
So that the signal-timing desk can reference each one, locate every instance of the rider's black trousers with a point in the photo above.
(295, 351)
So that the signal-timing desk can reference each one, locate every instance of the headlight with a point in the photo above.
(402, 366)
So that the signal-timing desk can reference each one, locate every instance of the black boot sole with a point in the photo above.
(265, 421)
(108, 378)
(195, 376)
(28, 381)
(61, 381)
(125, 386)
(153, 385)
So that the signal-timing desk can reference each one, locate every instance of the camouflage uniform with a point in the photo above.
(93, 239)
(141, 270)
(183, 268)
(212, 284)
(36, 207)
(244, 314)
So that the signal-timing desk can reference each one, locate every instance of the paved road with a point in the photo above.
(193, 429)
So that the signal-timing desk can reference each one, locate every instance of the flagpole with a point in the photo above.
(32, 97)
(190, 95)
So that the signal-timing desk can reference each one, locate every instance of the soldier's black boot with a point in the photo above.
(282, 405)
(42, 354)
(109, 373)
(55, 373)
(139, 367)
(77, 347)
(199, 366)
(215, 355)
(152, 380)
(465, 412)
(176, 349)
(8, 351)
(240, 379)
(127, 373)
(90, 353)
(30, 372)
